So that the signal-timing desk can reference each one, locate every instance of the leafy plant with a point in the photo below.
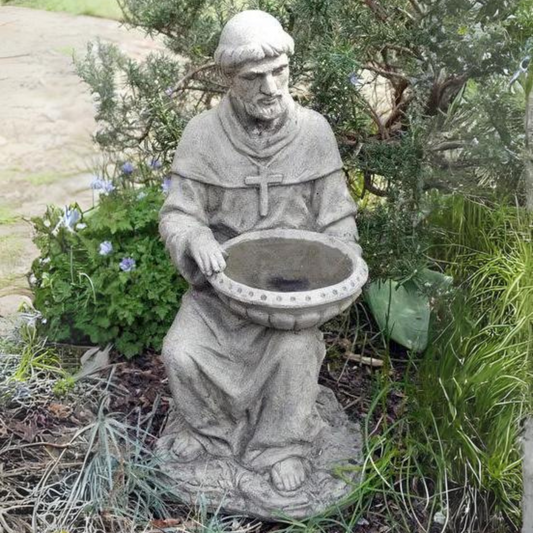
(35, 356)
(104, 276)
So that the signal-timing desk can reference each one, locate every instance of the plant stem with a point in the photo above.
(528, 166)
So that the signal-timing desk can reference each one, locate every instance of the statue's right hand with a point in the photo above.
(208, 255)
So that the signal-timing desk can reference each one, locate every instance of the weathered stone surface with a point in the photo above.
(224, 485)
(252, 431)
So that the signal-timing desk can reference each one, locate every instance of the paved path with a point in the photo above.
(46, 123)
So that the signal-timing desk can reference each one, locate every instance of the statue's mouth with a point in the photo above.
(269, 101)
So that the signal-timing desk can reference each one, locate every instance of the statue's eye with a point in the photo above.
(249, 76)
(278, 71)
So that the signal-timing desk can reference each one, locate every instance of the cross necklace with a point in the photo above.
(263, 179)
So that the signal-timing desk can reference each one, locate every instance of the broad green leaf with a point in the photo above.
(402, 311)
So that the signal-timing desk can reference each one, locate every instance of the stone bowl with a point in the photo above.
(289, 279)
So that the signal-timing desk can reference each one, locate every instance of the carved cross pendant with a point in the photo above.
(262, 181)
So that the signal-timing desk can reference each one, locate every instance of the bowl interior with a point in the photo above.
(287, 265)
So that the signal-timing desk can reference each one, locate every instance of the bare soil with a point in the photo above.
(46, 123)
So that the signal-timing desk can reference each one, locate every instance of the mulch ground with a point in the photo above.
(37, 425)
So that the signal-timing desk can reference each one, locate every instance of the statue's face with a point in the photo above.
(262, 87)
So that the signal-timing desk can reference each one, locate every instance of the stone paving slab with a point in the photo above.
(46, 123)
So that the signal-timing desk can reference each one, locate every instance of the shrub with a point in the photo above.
(103, 275)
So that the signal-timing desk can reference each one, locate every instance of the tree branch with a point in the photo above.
(369, 185)
(378, 11)
(385, 73)
(403, 50)
(191, 75)
(448, 145)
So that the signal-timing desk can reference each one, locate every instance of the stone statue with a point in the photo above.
(251, 430)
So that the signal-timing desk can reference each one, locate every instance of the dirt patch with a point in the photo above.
(47, 120)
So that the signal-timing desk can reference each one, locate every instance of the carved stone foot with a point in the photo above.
(294, 487)
(186, 448)
(289, 474)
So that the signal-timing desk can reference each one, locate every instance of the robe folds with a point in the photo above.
(244, 390)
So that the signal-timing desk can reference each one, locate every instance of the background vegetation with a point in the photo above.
(438, 162)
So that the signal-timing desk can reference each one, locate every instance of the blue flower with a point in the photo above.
(97, 184)
(165, 186)
(155, 164)
(127, 264)
(70, 217)
(128, 168)
(107, 187)
(169, 91)
(355, 80)
(105, 248)
(141, 195)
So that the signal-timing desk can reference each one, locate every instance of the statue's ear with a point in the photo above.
(226, 76)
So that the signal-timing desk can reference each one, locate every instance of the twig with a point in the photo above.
(191, 75)
(403, 49)
(369, 186)
(32, 445)
(385, 73)
(448, 145)
(370, 361)
(378, 11)
(417, 7)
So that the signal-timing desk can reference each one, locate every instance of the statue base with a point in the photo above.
(221, 484)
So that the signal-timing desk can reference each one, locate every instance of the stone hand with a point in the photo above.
(208, 255)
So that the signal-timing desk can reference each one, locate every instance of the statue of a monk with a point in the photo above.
(256, 161)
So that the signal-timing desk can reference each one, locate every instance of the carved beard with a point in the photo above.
(268, 112)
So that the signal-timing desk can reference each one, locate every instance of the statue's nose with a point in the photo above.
(269, 86)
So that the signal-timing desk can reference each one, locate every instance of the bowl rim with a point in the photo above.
(274, 300)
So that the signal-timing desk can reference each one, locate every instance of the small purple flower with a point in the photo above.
(128, 168)
(97, 184)
(127, 264)
(155, 164)
(169, 91)
(107, 187)
(105, 248)
(165, 186)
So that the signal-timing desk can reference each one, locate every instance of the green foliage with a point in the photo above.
(475, 380)
(85, 296)
(444, 117)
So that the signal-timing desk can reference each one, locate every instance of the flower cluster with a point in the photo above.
(126, 265)
(104, 186)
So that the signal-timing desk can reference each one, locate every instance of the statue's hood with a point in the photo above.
(215, 149)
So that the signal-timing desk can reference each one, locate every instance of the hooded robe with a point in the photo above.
(244, 390)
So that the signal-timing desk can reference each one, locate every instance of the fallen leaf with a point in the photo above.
(93, 360)
(59, 410)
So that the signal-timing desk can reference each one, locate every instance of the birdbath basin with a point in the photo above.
(289, 279)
